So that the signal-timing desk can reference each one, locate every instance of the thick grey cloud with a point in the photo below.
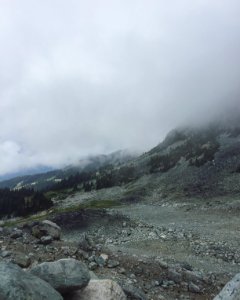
(86, 77)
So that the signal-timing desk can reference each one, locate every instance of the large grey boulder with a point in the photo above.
(46, 228)
(18, 284)
(65, 275)
(99, 290)
(231, 291)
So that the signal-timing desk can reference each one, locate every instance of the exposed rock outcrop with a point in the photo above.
(65, 275)
(18, 284)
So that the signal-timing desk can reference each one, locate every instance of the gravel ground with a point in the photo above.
(194, 231)
(203, 234)
(167, 249)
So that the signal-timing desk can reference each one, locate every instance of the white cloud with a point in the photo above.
(82, 77)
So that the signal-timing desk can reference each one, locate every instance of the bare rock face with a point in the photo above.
(231, 291)
(46, 228)
(18, 284)
(65, 275)
(99, 290)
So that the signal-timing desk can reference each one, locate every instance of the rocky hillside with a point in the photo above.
(203, 161)
(193, 162)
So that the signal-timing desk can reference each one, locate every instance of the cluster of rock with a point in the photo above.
(134, 232)
(37, 233)
(72, 277)
(25, 247)
(179, 277)
(63, 279)
(172, 276)
(46, 231)
(218, 250)
(138, 231)
(188, 279)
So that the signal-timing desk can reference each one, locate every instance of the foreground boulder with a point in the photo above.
(231, 291)
(65, 275)
(18, 284)
(99, 290)
(46, 228)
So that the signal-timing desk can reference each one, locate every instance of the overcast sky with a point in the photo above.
(88, 77)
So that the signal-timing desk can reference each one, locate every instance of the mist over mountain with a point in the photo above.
(226, 121)
(112, 76)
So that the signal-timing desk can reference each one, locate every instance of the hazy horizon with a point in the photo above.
(85, 78)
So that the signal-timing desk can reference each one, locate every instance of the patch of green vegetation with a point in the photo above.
(20, 221)
(51, 194)
(94, 204)
(102, 204)
(134, 194)
(136, 190)
(59, 194)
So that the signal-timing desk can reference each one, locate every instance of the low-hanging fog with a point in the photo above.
(88, 77)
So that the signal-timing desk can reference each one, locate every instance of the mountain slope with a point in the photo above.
(201, 161)
(45, 180)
